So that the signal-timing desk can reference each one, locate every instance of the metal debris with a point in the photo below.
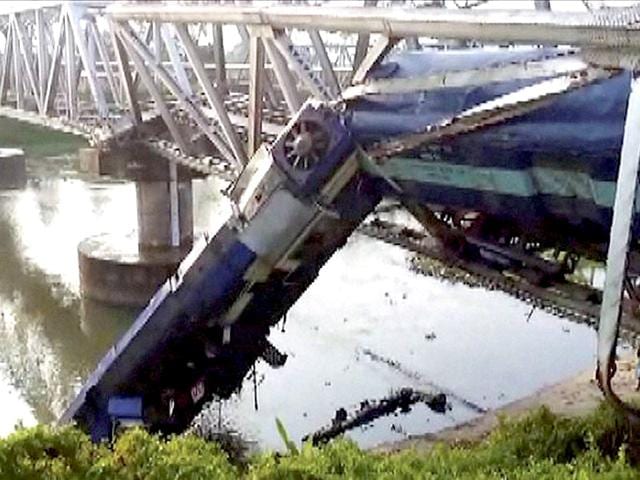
(368, 411)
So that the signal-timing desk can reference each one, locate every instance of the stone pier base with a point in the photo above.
(154, 214)
(120, 273)
(127, 273)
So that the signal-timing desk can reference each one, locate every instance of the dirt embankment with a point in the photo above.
(574, 397)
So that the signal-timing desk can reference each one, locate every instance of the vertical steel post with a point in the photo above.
(5, 78)
(17, 70)
(88, 63)
(256, 81)
(157, 45)
(70, 63)
(269, 91)
(43, 61)
(174, 203)
(619, 238)
(219, 58)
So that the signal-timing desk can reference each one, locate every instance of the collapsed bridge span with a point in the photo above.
(480, 145)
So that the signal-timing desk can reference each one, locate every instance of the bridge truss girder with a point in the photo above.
(74, 67)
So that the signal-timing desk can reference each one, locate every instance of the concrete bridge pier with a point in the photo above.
(158, 226)
(128, 273)
(13, 170)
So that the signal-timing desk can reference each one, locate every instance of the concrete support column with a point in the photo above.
(154, 214)
(130, 272)
(13, 170)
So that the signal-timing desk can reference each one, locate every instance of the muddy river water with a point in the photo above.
(367, 326)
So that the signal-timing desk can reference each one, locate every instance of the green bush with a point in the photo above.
(47, 453)
(538, 446)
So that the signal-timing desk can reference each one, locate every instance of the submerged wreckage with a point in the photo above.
(502, 154)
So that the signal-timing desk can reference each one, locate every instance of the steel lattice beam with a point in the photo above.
(605, 28)
(67, 61)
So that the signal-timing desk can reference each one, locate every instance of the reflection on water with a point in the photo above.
(477, 344)
(45, 350)
(50, 340)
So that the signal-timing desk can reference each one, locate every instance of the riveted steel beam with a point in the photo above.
(74, 16)
(256, 82)
(213, 96)
(606, 28)
(194, 110)
(126, 79)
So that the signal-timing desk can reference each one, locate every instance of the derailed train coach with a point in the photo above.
(541, 179)
(546, 177)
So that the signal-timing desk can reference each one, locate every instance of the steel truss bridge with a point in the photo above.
(162, 74)
(108, 71)
(77, 68)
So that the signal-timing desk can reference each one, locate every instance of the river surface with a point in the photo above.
(367, 326)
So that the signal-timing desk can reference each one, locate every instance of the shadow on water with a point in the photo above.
(49, 339)
(476, 344)
(419, 332)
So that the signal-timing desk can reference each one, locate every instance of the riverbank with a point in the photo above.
(578, 396)
(539, 445)
(563, 431)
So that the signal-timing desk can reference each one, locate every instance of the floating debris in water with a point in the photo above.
(398, 367)
(368, 411)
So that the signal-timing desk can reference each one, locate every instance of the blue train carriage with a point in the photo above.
(542, 180)
(294, 205)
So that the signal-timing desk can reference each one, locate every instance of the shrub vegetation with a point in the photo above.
(538, 446)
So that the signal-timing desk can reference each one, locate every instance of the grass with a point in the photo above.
(538, 446)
